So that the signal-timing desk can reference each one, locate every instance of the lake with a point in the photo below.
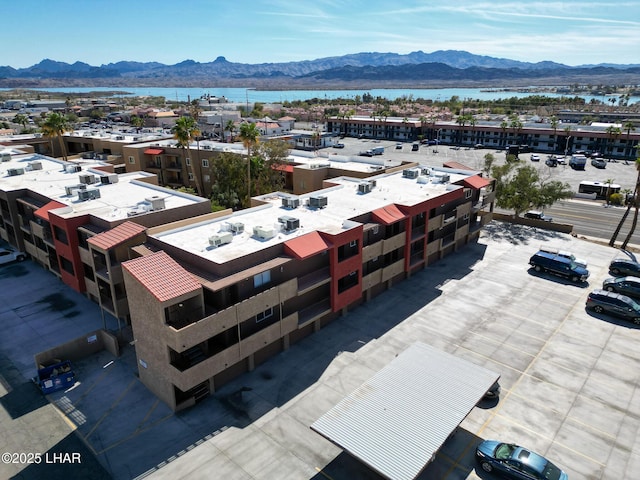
(250, 95)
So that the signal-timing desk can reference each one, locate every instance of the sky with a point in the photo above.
(99, 32)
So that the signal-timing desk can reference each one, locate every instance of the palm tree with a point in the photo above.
(55, 124)
(629, 126)
(137, 122)
(613, 132)
(634, 203)
(21, 119)
(249, 135)
(184, 131)
(608, 183)
(554, 125)
(230, 127)
(503, 126)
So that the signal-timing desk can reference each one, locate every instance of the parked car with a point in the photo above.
(338, 145)
(478, 146)
(398, 146)
(598, 163)
(624, 266)
(603, 301)
(629, 286)
(578, 162)
(415, 147)
(561, 160)
(535, 157)
(565, 254)
(516, 462)
(537, 215)
(555, 264)
(8, 256)
(551, 162)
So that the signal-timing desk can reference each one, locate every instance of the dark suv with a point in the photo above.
(557, 264)
(602, 301)
(624, 266)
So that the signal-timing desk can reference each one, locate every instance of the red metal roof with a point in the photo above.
(283, 168)
(476, 181)
(43, 212)
(154, 151)
(162, 276)
(116, 235)
(306, 245)
(457, 166)
(388, 215)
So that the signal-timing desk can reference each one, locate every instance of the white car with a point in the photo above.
(535, 157)
(8, 256)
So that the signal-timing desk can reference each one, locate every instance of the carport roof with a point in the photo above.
(397, 420)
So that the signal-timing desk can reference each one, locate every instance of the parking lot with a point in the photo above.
(570, 379)
(621, 173)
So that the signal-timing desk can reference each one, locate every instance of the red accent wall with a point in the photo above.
(70, 251)
(341, 269)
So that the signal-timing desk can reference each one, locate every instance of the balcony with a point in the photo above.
(393, 243)
(313, 280)
(174, 167)
(206, 369)
(374, 278)
(314, 312)
(393, 270)
(185, 335)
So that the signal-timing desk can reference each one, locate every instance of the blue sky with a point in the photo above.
(255, 31)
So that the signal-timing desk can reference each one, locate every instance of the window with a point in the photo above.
(187, 161)
(206, 178)
(467, 193)
(353, 243)
(261, 279)
(190, 176)
(60, 235)
(132, 160)
(205, 163)
(266, 314)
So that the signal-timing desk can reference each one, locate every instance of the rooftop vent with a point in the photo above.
(365, 187)
(72, 168)
(5, 157)
(264, 233)
(440, 177)
(87, 178)
(237, 227)
(157, 203)
(12, 172)
(289, 224)
(411, 173)
(221, 238)
(35, 165)
(88, 194)
(290, 202)
(318, 202)
(108, 179)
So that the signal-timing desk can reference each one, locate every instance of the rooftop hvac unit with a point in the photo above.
(441, 178)
(411, 173)
(318, 202)
(422, 179)
(364, 187)
(88, 194)
(87, 178)
(35, 165)
(12, 172)
(72, 168)
(425, 171)
(264, 233)
(82, 186)
(108, 179)
(289, 223)
(69, 189)
(119, 137)
(221, 238)
(290, 202)
(237, 227)
(157, 203)
(206, 147)
(6, 157)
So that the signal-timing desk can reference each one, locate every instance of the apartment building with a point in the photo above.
(540, 137)
(51, 209)
(214, 296)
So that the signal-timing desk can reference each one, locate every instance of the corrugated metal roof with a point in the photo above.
(397, 420)
(117, 235)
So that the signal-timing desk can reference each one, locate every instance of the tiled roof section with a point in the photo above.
(116, 235)
(162, 276)
(457, 166)
(476, 181)
(388, 215)
(305, 246)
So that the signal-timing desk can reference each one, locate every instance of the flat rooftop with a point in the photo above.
(49, 177)
(343, 202)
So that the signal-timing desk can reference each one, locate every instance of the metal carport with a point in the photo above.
(397, 420)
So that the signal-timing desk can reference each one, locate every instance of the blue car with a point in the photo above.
(516, 462)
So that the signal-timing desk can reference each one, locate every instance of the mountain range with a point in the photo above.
(439, 68)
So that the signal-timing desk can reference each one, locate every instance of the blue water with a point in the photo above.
(250, 95)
